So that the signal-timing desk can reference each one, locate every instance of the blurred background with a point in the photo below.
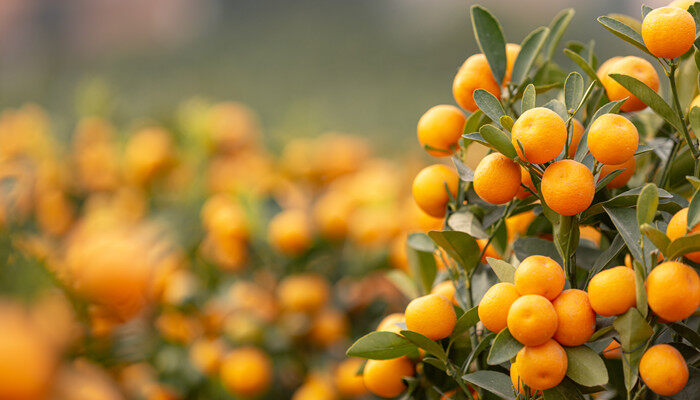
(362, 66)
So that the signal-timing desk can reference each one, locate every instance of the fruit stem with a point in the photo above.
(676, 103)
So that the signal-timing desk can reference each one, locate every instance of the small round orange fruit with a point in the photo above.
(542, 367)
(441, 128)
(539, 275)
(525, 180)
(673, 291)
(497, 179)
(663, 370)
(532, 320)
(445, 289)
(621, 180)
(494, 306)
(431, 315)
(635, 67)
(568, 187)
(668, 32)
(678, 227)
(349, 383)
(612, 291)
(290, 232)
(474, 74)
(430, 188)
(385, 377)
(390, 323)
(576, 318)
(542, 134)
(303, 292)
(612, 139)
(246, 371)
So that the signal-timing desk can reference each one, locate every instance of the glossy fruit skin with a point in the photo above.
(673, 291)
(494, 306)
(429, 189)
(542, 134)
(384, 377)
(542, 367)
(576, 318)
(612, 291)
(350, 385)
(539, 275)
(512, 51)
(532, 320)
(635, 67)
(678, 227)
(497, 179)
(568, 187)
(446, 289)
(668, 32)
(621, 180)
(431, 315)
(612, 139)
(441, 128)
(246, 371)
(474, 74)
(663, 370)
(389, 323)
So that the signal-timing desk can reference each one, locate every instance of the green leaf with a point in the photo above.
(625, 199)
(435, 363)
(426, 344)
(404, 283)
(608, 255)
(489, 104)
(466, 321)
(556, 31)
(693, 181)
(566, 390)
(686, 333)
(585, 366)
(529, 99)
(694, 210)
(529, 49)
(694, 117)
(483, 344)
(503, 270)
(474, 137)
(499, 140)
(660, 240)
(583, 64)
(641, 294)
(458, 245)
(473, 122)
(625, 221)
(607, 179)
(647, 203)
(558, 107)
(381, 346)
(466, 222)
(507, 122)
(495, 382)
(683, 245)
(527, 246)
(624, 32)
(600, 334)
(645, 10)
(504, 348)
(465, 173)
(649, 97)
(611, 107)
(634, 333)
(643, 148)
(491, 41)
(573, 91)
(421, 260)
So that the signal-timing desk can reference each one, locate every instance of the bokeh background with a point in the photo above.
(368, 67)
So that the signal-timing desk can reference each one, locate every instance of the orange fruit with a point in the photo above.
(635, 67)
(348, 382)
(431, 315)
(446, 289)
(290, 232)
(539, 275)
(246, 371)
(385, 377)
(673, 291)
(329, 327)
(628, 168)
(678, 227)
(684, 4)
(612, 139)
(613, 350)
(389, 323)
(430, 188)
(542, 367)
(494, 306)
(605, 67)
(612, 291)
(542, 134)
(474, 74)
(576, 318)
(663, 370)
(532, 320)
(668, 32)
(517, 381)
(316, 387)
(525, 179)
(303, 292)
(441, 127)
(590, 233)
(206, 354)
(518, 224)
(576, 136)
(490, 251)
(568, 187)
(497, 179)
(512, 51)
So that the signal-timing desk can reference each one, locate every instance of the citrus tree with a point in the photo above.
(566, 267)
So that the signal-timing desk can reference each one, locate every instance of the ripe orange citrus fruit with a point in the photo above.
(385, 377)
(431, 315)
(542, 134)
(474, 74)
(445, 289)
(349, 383)
(663, 370)
(678, 227)
(303, 292)
(441, 128)
(389, 323)
(668, 32)
(635, 67)
(246, 371)
(497, 179)
(532, 320)
(673, 291)
(539, 275)
(612, 139)
(576, 318)
(494, 306)
(621, 180)
(568, 187)
(290, 232)
(430, 188)
(612, 291)
(542, 367)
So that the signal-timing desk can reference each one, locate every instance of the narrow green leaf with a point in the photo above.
(624, 32)
(607, 179)
(474, 137)
(499, 140)
(435, 363)
(529, 49)
(495, 382)
(503, 270)
(660, 240)
(634, 333)
(529, 99)
(693, 181)
(426, 344)
(625, 221)
(643, 148)
(647, 203)
(504, 348)
(683, 245)
(641, 294)
(645, 10)
(625, 199)
(381, 346)
(466, 222)
(608, 255)
(490, 39)
(466, 321)
(507, 122)
(556, 30)
(458, 245)
(573, 91)
(404, 283)
(585, 366)
(485, 342)
(489, 104)
(601, 333)
(649, 97)
(421, 260)
(694, 210)
(694, 117)
(558, 107)
(583, 64)
(692, 336)
(474, 122)
(465, 173)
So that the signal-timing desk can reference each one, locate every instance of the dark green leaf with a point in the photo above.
(607, 179)
(585, 366)
(381, 346)
(566, 390)
(624, 32)
(625, 199)
(556, 31)
(499, 140)
(489, 104)
(491, 41)
(458, 245)
(504, 348)
(466, 222)
(625, 221)
(529, 99)
(503, 270)
(435, 363)
(608, 255)
(686, 333)
(466, 321)
(649, 97)
(485, 341)
(647, 203)
(694, 210)
(495, 382)
(426, 344)
(600, 334)
(683, 245)
(421, 259)
(583, 64)
(573, 91)
(643, 148)
(634, 333)
(660, 240)
(473, 122)
(641, 294)
(529, 49)
(527, 246)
